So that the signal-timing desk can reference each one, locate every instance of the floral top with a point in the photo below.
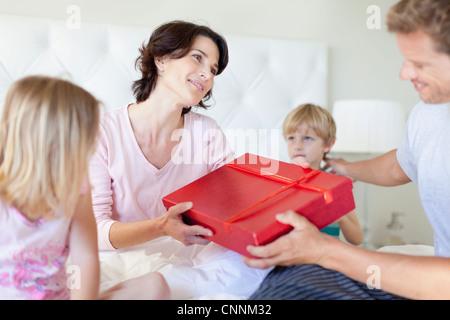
(33, 256)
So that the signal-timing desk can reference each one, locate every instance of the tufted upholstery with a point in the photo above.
(263, 81)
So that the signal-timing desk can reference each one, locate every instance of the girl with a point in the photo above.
(156, 145)
(47, 134)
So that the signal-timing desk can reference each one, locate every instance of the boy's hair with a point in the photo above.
(429, 16)
(315, 117)
(48, 131)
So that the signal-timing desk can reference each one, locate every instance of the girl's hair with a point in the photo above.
(429, 16)
(48, 131)
(315, 117)
(175, 40)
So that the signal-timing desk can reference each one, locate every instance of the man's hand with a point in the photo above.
(302, 245)
(337, 166)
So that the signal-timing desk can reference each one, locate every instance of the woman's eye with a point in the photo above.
(198, 57)
(214, 71)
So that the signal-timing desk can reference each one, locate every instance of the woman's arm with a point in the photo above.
(126, 234)
(84, 251)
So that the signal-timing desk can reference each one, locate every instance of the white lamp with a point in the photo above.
(368, 127)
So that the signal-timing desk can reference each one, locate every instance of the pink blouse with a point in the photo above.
(127, 187)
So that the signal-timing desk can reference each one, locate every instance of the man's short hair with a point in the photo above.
(429, 16)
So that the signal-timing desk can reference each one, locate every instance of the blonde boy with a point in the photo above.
(310, 133)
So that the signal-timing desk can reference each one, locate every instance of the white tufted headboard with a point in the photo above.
(264, 80)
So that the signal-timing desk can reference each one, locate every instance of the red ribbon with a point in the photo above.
(328, 196)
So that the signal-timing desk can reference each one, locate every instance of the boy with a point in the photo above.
(310, 132)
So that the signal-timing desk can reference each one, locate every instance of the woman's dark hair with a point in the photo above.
(175, 40)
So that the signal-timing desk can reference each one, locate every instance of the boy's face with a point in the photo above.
(306, 143)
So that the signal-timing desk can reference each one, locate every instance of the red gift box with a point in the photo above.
(239, 201)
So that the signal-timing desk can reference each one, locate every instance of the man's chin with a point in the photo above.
(435, 99)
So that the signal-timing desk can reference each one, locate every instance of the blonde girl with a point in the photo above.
(47, 135)
(48, 132)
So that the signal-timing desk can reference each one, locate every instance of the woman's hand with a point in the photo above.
(174, 226)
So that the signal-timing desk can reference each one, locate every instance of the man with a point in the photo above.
(325, 268)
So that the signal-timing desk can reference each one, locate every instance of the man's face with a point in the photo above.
(428, 69)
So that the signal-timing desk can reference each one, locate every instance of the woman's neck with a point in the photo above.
(154, 123)
(155, 118)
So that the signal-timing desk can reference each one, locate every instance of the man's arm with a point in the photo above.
(407, 276)
(383, 170)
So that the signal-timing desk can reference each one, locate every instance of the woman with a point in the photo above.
(155, 146)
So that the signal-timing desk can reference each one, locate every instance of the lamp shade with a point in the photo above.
(368, 126)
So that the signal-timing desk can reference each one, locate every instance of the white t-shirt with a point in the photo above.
(126, 187)
(425, 157)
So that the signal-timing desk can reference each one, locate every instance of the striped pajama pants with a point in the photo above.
(312, 282)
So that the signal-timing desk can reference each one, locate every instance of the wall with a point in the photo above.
(364, 62)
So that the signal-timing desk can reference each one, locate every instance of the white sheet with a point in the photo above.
(198, 272)
(194, 272)
(411, 249)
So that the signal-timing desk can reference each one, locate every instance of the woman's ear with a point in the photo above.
(160, 63)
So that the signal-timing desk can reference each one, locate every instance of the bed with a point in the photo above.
(264, 80)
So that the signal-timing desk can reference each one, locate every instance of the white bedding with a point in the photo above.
(194, 272)
(410, 249)
(198, 272)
